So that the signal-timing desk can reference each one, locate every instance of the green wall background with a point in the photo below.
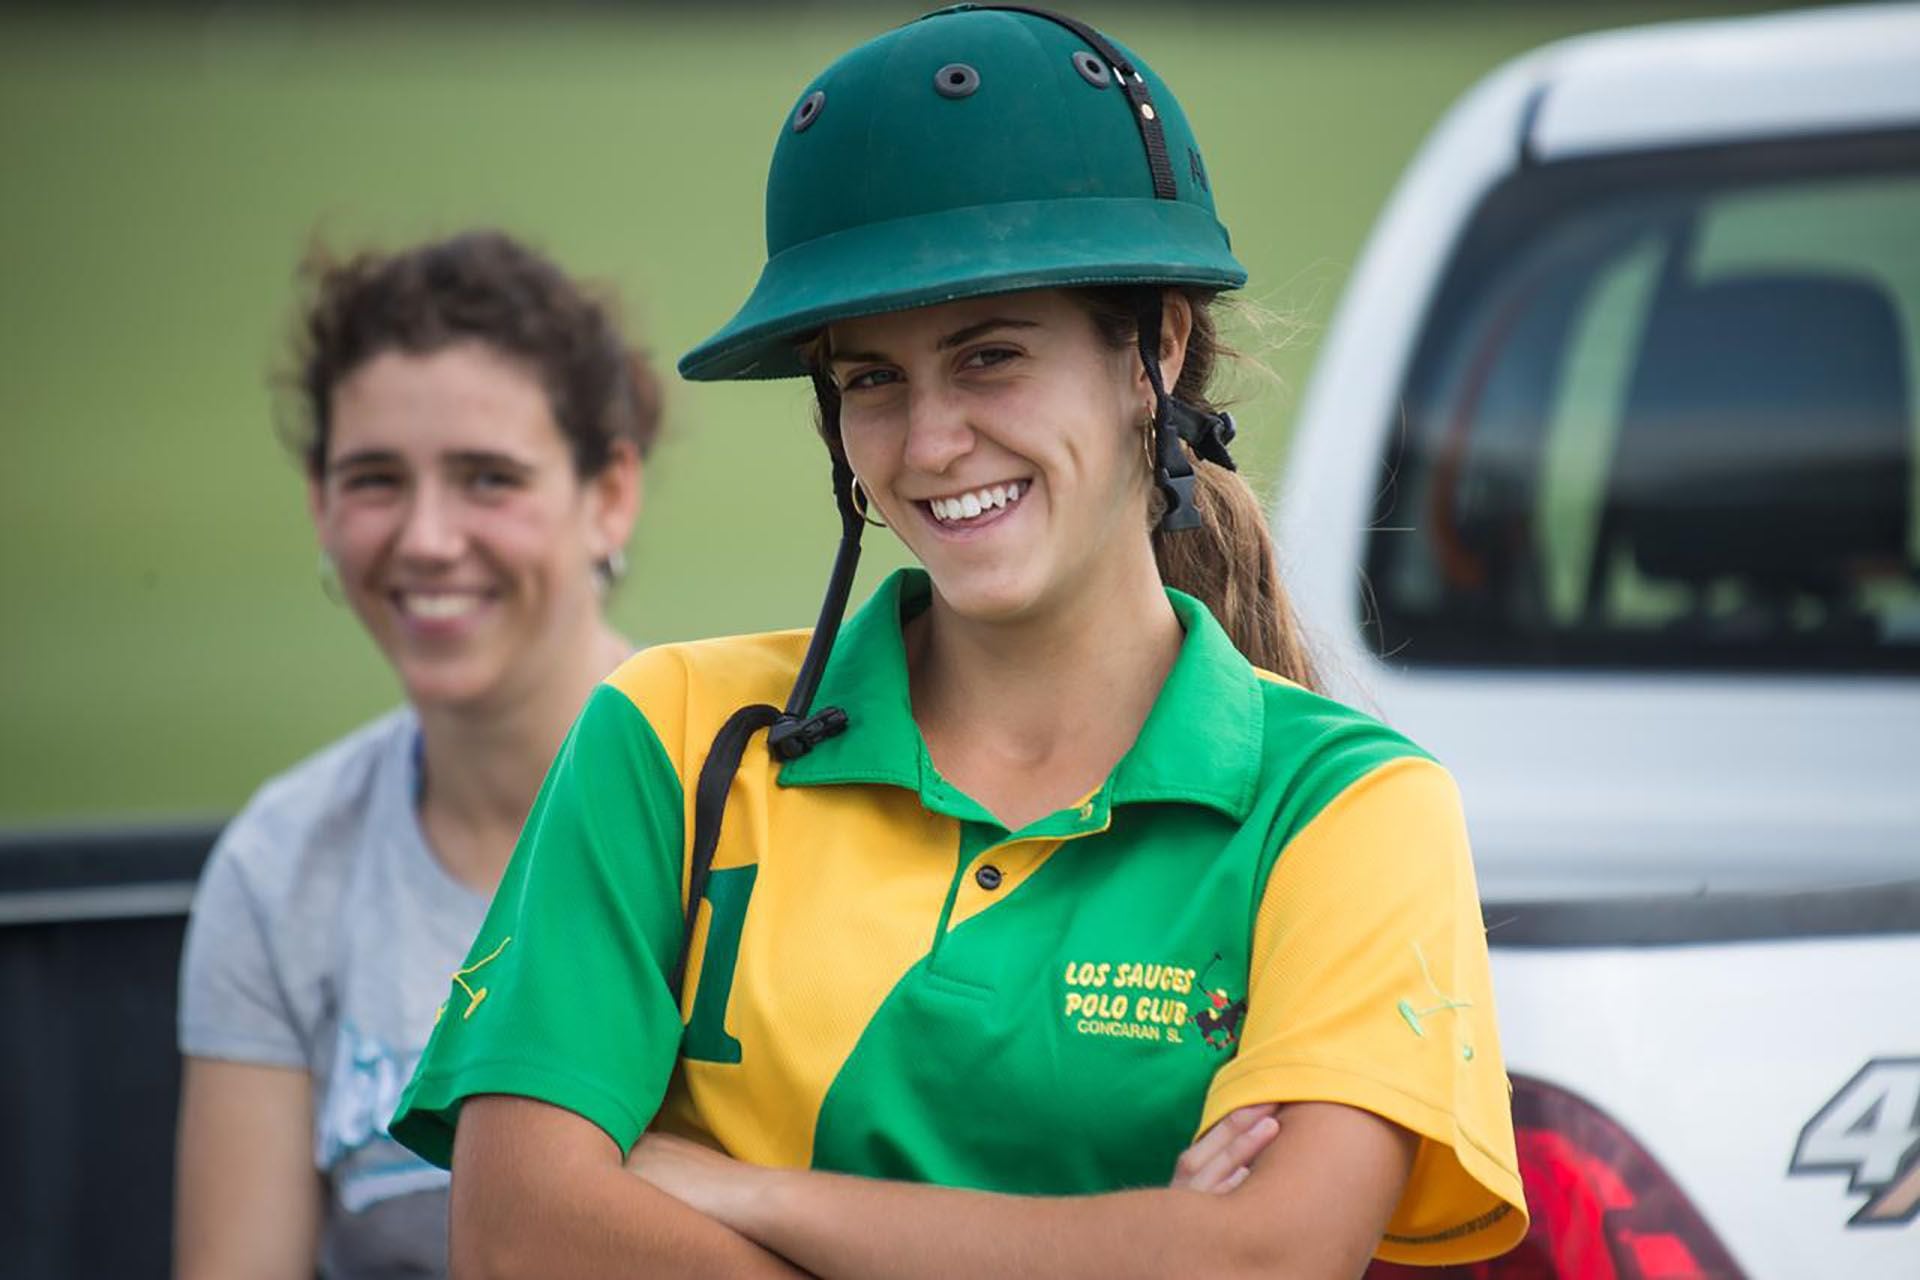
(164, 644)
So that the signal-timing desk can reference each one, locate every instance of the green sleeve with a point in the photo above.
(564, 996)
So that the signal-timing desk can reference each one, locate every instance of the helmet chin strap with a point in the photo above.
(1174, 421)
(796, 732)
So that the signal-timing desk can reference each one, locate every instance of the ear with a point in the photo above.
(1176, 329)
(613, 497)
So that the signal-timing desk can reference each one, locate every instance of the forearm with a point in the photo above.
(848, 1228)
(538, 1192)
(603, 1226)
(247, 1200)
(1312, 1206)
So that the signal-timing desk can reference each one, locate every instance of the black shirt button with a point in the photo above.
(987, 877)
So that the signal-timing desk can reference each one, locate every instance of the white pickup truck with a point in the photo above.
(1605, 491)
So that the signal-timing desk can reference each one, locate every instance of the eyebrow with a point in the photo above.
(488, 458)
(364, 458)
(460, 457)
(958, 338)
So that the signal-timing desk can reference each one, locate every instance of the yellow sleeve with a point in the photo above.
(1369, 987)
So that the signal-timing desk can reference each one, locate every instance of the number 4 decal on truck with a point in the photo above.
(1871, 1130)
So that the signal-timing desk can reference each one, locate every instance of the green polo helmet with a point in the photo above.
(978, 150)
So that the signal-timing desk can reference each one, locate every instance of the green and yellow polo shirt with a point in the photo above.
(1269, 900)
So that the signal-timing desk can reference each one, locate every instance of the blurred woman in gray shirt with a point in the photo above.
(474, 428)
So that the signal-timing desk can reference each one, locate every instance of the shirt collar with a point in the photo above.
(1200, 743)
(866, 677)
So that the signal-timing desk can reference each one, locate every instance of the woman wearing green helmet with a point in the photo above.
(1051, 860)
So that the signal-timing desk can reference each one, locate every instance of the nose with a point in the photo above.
(431, 532)
(938, 433)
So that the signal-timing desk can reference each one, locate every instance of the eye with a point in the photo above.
(988, 357)
(367, 481)
(870, 378)
(488, 476)
(492, 479)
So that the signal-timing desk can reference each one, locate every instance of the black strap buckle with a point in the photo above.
(1173, 476)
(791, 737)
(1208, 433)
(1181, 513)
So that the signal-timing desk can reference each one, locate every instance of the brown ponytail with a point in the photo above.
(1228, 563)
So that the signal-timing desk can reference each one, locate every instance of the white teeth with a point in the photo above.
(439, 606)
(968, 506)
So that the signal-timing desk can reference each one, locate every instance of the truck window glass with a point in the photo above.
(1665, 413)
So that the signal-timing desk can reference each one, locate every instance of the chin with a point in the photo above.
(989, 597)
(452, 685)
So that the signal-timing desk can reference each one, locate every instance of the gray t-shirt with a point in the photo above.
(322, 937)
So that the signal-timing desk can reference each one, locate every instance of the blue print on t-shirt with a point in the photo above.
(350, 1133)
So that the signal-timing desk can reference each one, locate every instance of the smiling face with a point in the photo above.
(464, 540)
(1001, 439)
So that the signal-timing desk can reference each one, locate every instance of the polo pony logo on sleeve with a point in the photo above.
(474, 994)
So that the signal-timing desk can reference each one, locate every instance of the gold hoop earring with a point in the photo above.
(864, 505)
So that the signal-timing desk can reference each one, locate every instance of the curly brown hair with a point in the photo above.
(480, 286)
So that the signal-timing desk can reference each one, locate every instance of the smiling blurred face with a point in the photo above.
(463, 540)
(1001, 440)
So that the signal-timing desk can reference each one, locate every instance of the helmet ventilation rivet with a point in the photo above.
(809, 110)
(1146, 111)
(956, 80)
(1092, 70)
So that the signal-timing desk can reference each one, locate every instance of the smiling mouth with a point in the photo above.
(439, 606)
(976, 506)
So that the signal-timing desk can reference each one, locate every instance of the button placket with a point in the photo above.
(997, 870)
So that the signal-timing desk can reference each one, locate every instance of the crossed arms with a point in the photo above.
(1304, 1190)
